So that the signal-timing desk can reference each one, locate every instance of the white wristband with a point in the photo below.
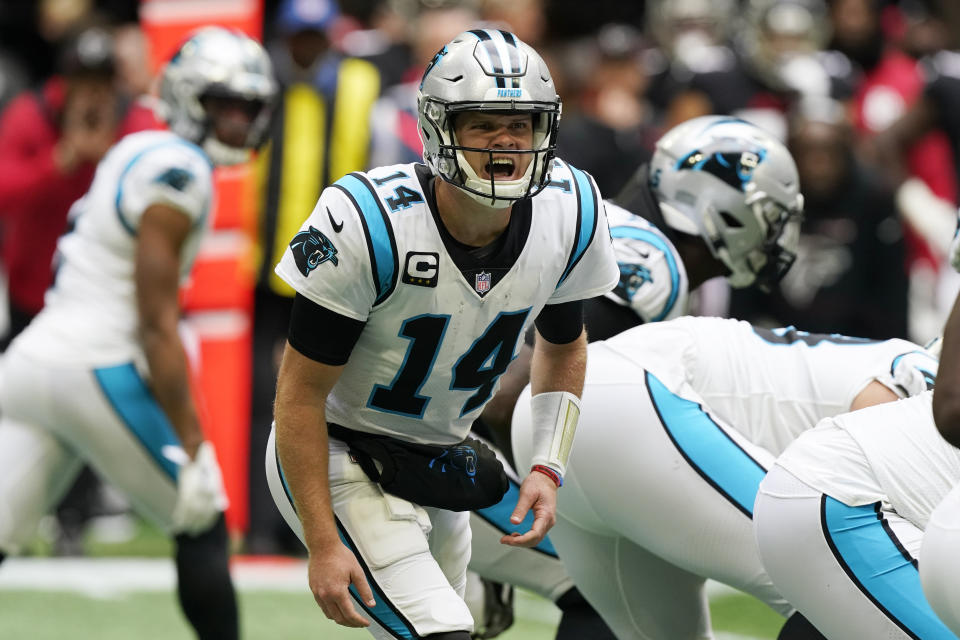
(554, 415)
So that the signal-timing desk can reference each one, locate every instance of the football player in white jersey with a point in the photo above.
(841, 517)
(720, 197)
(939, 561)
(702, 208)
(416, 284)
(681, 420)
(100, 376)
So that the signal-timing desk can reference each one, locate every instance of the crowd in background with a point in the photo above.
(862, 91)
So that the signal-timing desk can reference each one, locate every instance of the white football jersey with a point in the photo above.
(438, 337)
(688, 415)
(891, 453)
(770, 385)
(90, 313)
(653, 280)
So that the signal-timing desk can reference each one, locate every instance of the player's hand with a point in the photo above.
(200, 495)
(539, 493)
(331, 570)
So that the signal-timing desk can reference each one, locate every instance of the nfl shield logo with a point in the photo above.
(482, 282)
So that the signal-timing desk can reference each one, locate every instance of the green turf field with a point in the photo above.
(53, 615)
(114, 599)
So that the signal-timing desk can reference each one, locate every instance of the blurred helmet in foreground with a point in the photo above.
(218, 68)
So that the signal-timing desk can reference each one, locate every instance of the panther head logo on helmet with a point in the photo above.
(737, 187)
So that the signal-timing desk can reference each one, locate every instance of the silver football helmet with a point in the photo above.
(492, 71)
(222, 63)
(737, 187)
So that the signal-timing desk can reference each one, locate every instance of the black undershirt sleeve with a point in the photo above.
(605, 318)
(321, 334)
(561, 323)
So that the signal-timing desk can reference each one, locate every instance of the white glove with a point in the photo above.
(200, 494)
(914, 373)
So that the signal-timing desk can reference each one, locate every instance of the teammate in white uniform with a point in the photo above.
(939, 561)
(840, 519)
(100, 376)
(681, 421)
(416, 284)
(662, 229)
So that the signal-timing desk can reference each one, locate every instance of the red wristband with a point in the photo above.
(550, 473)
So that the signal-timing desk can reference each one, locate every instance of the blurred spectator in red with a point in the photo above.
(609, 129)
(883, 45)
(937, 108)
(50, 143)
(890, 80)
(849, 275)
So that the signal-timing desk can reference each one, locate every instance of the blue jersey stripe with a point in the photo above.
(123, 174)
(378, 230)
(499, 516)
(874, 559)
(136, 406)
(586, 219)
(652, 238)
(708, 449)
(383, 611)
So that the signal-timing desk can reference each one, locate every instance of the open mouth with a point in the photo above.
(500, 168)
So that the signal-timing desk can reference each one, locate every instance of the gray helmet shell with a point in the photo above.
(737, 187)
(218, 62)
(492, 71)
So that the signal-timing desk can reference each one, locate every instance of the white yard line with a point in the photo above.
(98, 575)
(113, 577)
